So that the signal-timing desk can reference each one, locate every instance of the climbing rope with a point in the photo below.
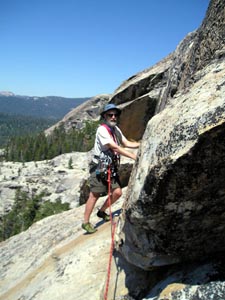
(113, 229)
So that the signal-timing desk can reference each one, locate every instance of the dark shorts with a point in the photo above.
(100, 185)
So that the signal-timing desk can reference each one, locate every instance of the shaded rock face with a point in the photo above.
(138, 98)
(202, 281)
(138, 112)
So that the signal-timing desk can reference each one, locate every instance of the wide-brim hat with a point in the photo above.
(109, 107)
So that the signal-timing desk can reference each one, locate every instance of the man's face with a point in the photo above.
(111, 117)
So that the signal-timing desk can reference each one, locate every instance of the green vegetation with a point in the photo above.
(26, 211)
(70, 163)
(18, 125)
(41, 147)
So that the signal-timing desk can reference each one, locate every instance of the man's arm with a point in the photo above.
(116, 148)
(128, 144)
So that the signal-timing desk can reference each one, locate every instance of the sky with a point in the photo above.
(83, 48)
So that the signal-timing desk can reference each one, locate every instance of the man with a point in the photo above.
(107, 151)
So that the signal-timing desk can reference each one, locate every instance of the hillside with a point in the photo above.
(22, 115)
(45, 107)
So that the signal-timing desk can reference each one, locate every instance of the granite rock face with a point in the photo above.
(174, 208)
(54, 177)
(53, 259)
(175, 203)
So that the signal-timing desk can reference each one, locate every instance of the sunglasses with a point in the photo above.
(111, 115)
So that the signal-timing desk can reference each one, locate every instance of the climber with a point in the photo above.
(107, 150)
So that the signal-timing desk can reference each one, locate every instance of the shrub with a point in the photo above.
(27, 210)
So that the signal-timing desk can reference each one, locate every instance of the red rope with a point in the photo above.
(113, 229)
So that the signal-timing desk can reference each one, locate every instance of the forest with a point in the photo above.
(25, 211)
(35, 147)
(20, 125)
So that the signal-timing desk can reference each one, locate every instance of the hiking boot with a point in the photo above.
(103, 215)
(88, 227)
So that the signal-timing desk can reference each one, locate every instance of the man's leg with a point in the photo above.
(90, 204)
(116, 194)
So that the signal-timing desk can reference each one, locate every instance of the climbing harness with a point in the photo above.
(113, 230)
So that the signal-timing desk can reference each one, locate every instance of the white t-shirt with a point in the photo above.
(103, 137)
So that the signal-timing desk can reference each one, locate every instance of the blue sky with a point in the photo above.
(82, 48)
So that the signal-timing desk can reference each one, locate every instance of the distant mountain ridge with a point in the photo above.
(46, 107)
